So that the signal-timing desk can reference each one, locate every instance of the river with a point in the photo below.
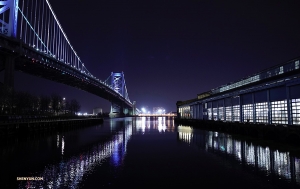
(143, 152)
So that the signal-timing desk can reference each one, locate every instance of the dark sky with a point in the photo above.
(173, 50)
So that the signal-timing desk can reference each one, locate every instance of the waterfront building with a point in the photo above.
(271, 96)
(97, 111)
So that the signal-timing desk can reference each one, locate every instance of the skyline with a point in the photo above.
(172, 51)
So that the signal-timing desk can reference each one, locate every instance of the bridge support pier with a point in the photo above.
(9, 71)
(116, 111)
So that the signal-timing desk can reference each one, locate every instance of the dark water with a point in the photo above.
(140, 153)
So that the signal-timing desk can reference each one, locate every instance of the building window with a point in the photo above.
(221, 113)
(296, 111)
(261, 110)
(236, 112)
(279, 112)
(209, 112)
(228, 111)
(248, 112)
(215, 113)
(297, 64)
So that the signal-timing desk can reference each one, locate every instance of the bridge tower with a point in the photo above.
(8, 27)
(118, 85)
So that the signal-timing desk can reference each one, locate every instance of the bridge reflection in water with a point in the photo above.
(273, 164)
(68, 173)
(139, 151)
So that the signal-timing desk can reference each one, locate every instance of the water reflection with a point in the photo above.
(272, 163)
(161, 124)
(68, 173)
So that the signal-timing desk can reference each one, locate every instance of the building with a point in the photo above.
(97, 111)
(271, 96)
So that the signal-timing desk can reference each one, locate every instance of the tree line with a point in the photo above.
(24, 103)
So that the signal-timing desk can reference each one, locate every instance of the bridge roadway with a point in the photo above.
(27, 59)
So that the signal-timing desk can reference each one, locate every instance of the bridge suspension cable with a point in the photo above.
(40, 29)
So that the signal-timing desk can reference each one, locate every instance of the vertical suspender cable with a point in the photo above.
(54, 37)
(22, 20)
(37, 41)
(33, 41)
(64, 52)
(58, 45)
(3, 18)
(51, 29)
(47, 1)
(48, 33)
(42, 27)
(26, 25)
(62, 48)
(67, 52)
(30, 39)
(51, 33)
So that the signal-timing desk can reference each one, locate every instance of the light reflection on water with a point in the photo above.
(72, 171)
(271, 162)
(162, 124)
(69, 172)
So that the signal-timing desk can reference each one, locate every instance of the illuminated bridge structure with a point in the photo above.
(33, 41)
(271, 96)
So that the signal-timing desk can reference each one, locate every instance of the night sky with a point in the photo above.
(172, 50)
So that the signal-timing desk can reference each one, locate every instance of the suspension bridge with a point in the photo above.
(33, 41)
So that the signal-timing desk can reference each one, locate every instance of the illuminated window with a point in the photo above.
(279, 112)
(236, 112)
(221, 113)
(281, 70)
(296, 111)
(209, 112)
(228, 111)
(261, 110)
(248, 112)
(215, 113)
